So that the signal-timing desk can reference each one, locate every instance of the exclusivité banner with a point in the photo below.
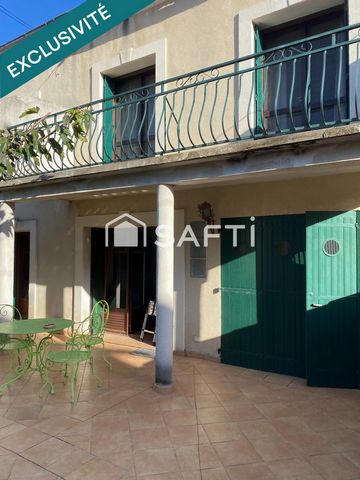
(60, 38)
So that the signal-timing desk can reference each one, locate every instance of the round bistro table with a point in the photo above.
(30, 328)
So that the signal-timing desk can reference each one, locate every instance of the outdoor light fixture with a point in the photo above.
(206, 213)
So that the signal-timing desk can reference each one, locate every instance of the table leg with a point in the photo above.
(40, 355)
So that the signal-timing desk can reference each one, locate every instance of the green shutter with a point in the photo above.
(108, 121)
(259, 83)
(282, 285)
(263, 295)
(240, 335)
(332, 300)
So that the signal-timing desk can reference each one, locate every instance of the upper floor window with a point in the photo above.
(303, 85)
(130, 129)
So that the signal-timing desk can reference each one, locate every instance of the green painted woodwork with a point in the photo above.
(263, 295)
(332, 320)
(259, 82)
(241, 334)
(281, 269)
(108, 120)
(271, 319)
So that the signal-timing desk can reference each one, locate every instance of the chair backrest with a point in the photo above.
(9, 312)
(99, 317)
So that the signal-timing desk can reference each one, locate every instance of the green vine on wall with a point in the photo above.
(40, 139)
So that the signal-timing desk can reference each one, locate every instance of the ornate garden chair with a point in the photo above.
(9, 312)
(13, 347)
(52, 360)
(90, 332)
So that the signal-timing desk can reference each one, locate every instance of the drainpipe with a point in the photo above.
(7, 253)
(165, 290)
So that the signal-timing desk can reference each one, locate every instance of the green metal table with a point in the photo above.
(30, 328)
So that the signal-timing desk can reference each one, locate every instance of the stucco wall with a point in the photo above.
(56, 223)
(54, 254)
(202, 302)
(198, 33)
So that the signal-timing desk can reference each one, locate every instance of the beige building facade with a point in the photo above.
(292, 173)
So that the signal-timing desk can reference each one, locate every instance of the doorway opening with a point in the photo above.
(22, 272)
(125, 277)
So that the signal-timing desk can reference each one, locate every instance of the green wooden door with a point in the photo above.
(263, 295)
(240, 336)
(332, 300)
(281, 270)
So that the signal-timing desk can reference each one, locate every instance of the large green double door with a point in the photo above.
(289, 301)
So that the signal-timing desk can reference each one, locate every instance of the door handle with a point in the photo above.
(316, 305)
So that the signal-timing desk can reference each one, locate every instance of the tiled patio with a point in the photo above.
(221, 422)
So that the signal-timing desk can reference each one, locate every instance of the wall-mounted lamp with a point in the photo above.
(206, 213)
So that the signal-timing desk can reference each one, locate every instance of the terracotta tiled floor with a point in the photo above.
(221, 422)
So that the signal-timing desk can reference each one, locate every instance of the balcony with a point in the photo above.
(304, 85)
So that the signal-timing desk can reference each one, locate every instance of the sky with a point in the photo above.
(19, 16)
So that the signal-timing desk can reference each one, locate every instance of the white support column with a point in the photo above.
(7, 252)
(165, 290)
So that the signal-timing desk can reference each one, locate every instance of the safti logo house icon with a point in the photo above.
(126, 231)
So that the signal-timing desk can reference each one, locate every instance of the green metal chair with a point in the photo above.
(58, 361)
(9, 312)
(13, 346)
(90, 332)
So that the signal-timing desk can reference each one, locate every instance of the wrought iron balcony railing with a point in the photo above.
(303, 85)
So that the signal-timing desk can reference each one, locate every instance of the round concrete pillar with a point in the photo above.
(165, 289)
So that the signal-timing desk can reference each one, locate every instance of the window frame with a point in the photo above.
(111, 87)
(259, 34)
